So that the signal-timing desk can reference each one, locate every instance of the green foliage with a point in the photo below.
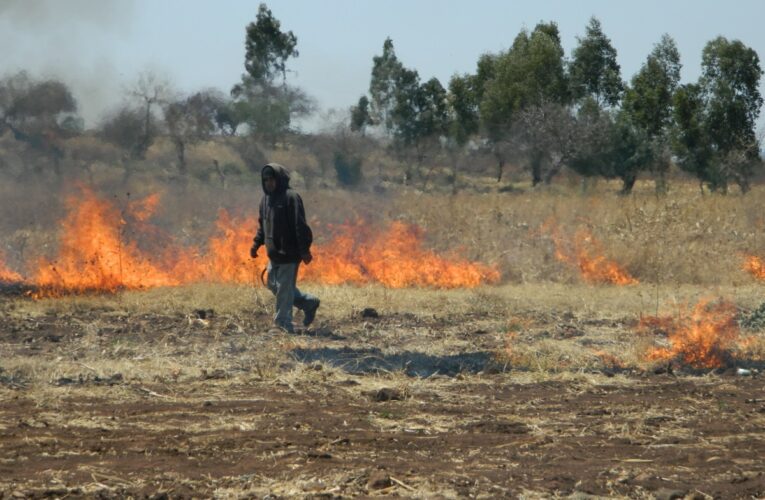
(594, 70)
(421, 110)
(649, 98)
(383, 85)
(608, 144)
(714, 136)
(36, 107)
(125, 128)
(269, 110)
(730, 82)
(594, 128)
(690, 142)
(230, 115)
(360, 115)
(348, 169)
(267, 48)
(463, 100)
(529, 73)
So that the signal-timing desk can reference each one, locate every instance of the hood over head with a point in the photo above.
(278, 171)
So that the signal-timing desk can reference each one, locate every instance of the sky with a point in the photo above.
(99, 47)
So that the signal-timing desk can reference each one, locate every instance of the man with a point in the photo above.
(283, 229)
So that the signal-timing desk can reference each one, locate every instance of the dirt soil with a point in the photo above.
(355, 407)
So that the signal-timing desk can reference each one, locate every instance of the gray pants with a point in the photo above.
(282, 281)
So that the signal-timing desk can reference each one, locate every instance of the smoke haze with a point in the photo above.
(71, 41)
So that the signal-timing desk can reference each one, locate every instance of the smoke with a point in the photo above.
(73, 41)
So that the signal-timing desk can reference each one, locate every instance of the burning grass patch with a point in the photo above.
(104, 247)
(585, 253)
(704, 336)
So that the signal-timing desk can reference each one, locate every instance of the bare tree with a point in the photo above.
(150, 90)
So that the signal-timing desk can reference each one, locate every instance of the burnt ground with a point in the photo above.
(103, 403)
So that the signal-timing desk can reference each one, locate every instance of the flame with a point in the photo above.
(754, 266)
(609, 360)
(586, 254)
(6, 274)
(99, 251)
(94, 253)
(395, 258)
(701, 338)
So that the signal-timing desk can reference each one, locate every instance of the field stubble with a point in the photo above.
(537, 387)
(486, 392)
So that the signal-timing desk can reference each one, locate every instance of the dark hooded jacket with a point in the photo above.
(282, 227)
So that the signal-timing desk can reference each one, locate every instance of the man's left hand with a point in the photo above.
(307, 258)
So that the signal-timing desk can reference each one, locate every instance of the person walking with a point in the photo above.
(282, 228)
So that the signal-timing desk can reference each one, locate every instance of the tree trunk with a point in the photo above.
(180, 151)
(221, 175)
(628, 182)
(455, 174)
(536, 172)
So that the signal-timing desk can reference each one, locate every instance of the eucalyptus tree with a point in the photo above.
(715, 135)
(265, 104)
(530, 74)
(647, 105)
(387, 72)
(594, 70)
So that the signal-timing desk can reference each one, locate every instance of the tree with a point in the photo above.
(419, 116)
(150, 91)
(690, 137)
(230, 115)
(462, 119)
(542, 135)
(190, 121)
(608, 144)
(267, 48)
(124, 128)
(360, 115)
(648, 103)
(715, 134)
(386, 76)
(594, 70)
(529, 74)
(464, 99)
(268, 109)
(40, 114)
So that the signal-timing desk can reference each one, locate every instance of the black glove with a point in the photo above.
(254, 250)
(307, 258)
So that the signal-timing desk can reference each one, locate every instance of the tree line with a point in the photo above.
(534, 106)
(530, 106)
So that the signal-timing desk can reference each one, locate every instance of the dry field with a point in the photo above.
(548, 383)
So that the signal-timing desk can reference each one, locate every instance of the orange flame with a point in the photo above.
(586, 254)
(754, 266)
(6, 274)
(701, 338)
(609, 360)
(98, 251)
(95, 255)
(395, 258)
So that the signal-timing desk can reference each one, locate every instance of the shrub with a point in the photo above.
(348, 169)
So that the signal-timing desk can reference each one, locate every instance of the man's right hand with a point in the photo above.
(254, 250)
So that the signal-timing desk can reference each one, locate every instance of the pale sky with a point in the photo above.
(100, 46)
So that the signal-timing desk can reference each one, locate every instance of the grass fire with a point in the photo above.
(103, 247)
(540, 278)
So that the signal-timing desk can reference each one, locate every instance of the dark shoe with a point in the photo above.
(286, 328)
(310, 312)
